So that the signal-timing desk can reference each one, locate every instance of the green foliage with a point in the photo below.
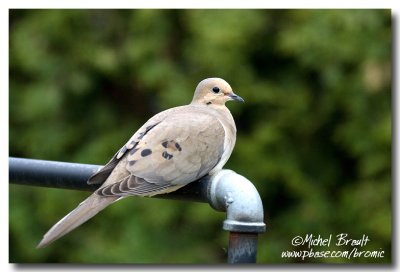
(314, 134)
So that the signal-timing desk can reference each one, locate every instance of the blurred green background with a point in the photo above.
(314, 135)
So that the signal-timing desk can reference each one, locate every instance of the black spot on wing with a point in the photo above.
(131, 163)
(166, 155)
(145, 152)
(172, 145)
(178, 146)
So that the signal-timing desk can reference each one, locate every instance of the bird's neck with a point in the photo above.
(225, 113)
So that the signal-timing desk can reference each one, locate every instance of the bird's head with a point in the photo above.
(214, 91)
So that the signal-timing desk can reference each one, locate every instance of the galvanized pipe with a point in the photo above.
(237, 196)
(242, 247)
(224, 191)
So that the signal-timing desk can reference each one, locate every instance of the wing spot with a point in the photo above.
(165, 144)
(178, 146)
(166, 155)
(131, 163)
(145, 152)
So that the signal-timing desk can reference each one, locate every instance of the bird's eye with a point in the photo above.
(215, 90)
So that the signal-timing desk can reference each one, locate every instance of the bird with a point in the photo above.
(173, 148)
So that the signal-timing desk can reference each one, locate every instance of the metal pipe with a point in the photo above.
(237, 196)
(52, 174)
(73, 176)
(224, 191)
(242, 247)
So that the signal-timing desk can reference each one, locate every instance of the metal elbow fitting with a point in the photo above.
(233, 193)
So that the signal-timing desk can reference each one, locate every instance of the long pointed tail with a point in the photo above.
(86, 210)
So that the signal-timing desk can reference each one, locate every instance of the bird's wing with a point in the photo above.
(166, 154)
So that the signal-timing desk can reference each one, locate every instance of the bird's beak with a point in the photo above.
(233, 96)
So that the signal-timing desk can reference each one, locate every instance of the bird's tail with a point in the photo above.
(86, 210)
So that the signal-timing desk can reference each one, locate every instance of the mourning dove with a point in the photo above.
(173, 148)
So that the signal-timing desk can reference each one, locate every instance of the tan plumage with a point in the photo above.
(173, 148)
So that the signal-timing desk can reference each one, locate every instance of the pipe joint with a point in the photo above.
(233, 193)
